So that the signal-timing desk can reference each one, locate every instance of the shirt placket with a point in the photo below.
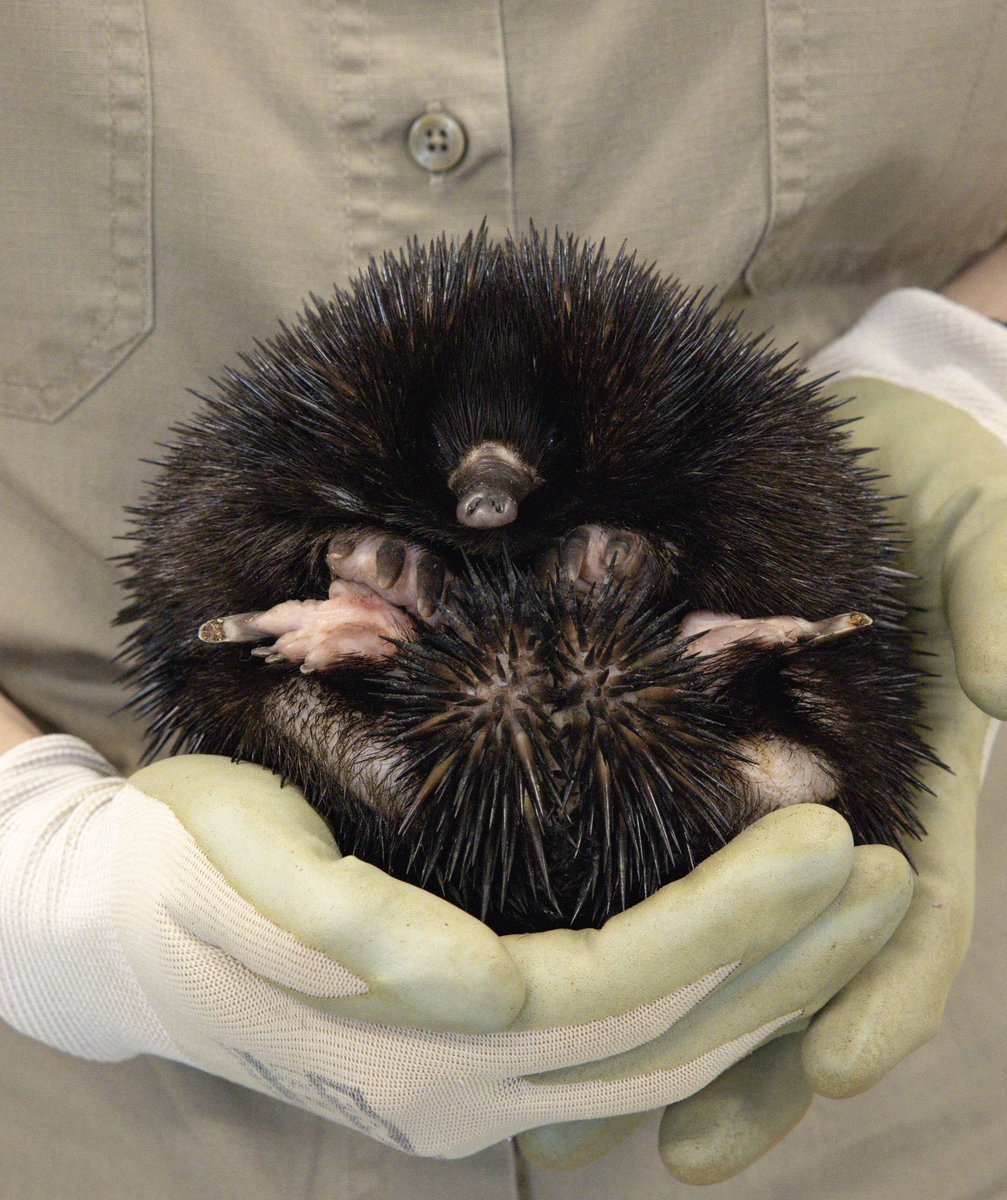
(422, 122)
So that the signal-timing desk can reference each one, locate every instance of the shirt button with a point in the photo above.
(437, 141)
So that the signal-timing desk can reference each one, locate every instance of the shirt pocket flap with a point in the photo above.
(75, 160)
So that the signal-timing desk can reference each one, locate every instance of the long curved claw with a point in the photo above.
(588, 554)
(716, 632)
(389, 561)
(402, 573)
(237, 627)
(431, 584)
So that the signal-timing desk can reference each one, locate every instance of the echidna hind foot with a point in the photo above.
(380, 587)
(352, 622)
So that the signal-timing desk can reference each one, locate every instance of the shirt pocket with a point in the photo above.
(75, 182)
(888, 141)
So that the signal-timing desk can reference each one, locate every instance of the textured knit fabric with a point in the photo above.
(120, 937)
(174, 176)
(63, 975)
(924, 342)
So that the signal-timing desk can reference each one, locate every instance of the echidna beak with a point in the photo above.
(490, 482)
(485, 509)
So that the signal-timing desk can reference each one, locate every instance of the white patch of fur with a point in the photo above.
(342, 496)
(782, 773)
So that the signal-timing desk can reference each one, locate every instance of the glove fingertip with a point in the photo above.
(842, 1060)
(574, 1144)
(735, 1120)
(984, 681)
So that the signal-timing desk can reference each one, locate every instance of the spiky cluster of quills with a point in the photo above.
(559, 732)
(565, 754)
(555, 793)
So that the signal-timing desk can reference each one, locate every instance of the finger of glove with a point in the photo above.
(589, 991)
(739, 905)
(569, 1145)
(975, 592)
(897, 1001)
(723, 1129)
(781, 990)
(954, 502)
(418, 960)
(705, 1138)
(240, 815)
(593, 994)
(951, 475)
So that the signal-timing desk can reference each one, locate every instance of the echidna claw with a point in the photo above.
(404, 574)
(830, 629)
(590, 554)
(431, 585)
(237, 627)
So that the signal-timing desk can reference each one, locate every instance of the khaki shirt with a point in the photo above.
(175, 176)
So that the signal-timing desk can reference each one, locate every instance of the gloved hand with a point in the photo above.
(202, 912)
(952, 470)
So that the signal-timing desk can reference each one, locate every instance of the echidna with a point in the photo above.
(579, 581)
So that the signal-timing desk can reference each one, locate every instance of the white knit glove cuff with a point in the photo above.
(64, 979)
(925, 342)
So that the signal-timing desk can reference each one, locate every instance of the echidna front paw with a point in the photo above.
(402, 573)
(587, 553)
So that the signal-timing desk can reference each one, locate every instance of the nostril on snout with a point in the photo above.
(486, 509)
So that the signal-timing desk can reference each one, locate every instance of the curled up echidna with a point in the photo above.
(539, 577)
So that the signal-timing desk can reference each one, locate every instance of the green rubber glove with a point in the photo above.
(955, 506)
(267, 957)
